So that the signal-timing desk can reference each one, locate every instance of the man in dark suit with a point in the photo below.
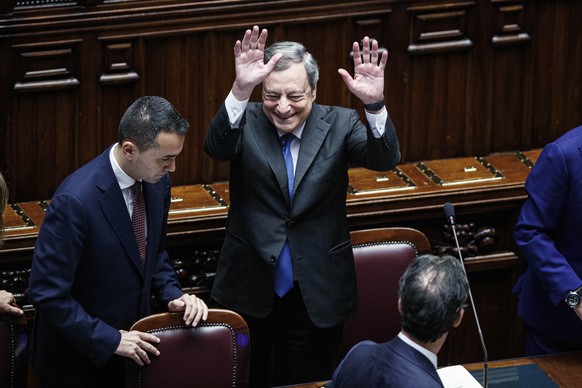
(432, 295)
(548, 232)
(92, 276)
(286, 263)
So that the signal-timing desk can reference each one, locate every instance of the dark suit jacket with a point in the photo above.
(86, 281)
(260, 216)
(549, 233)
(391, 364)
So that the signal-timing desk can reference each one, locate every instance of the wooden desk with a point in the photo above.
(564, 369)
(487, 193)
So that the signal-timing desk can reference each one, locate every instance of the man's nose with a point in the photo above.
(171, 165)
(283, 104)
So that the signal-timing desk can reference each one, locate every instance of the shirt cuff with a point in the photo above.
(234, 108)
(377, 122)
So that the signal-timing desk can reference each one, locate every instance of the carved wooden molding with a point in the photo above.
(438, 28)
(509, 21)
(473, 240)
(119, 63)
(47, 66)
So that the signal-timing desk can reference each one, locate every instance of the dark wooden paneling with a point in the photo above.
(463, 77)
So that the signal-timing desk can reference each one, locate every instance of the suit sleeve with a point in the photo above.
(538, 225)
(58, 250)
(366, 150)
(222, 141)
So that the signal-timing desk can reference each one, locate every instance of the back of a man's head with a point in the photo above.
(432, 290)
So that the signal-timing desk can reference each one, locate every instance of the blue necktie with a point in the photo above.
(284, 266)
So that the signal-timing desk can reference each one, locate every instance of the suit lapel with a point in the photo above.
(267, 139)
(113, 206)
(314, 134)
(266, 136)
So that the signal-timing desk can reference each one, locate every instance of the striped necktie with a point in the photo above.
(284, 266)
(138, 220)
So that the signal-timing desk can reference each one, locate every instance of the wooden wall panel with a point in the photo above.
(438, 58)
(557, 82)
(463, 78)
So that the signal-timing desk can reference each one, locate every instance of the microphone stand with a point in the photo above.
(485, 360)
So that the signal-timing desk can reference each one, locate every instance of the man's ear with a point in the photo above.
(400, 305)
(129, 149)
(459, 318)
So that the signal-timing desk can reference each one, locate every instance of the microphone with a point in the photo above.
(450, 215)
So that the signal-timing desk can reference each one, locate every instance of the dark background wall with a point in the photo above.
(463, 77)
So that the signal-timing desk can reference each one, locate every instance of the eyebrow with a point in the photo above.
(290, 92)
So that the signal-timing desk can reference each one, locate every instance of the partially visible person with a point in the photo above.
(286, 264)
(7, 301)
(432, 294)
(549, 235)
(93, 275)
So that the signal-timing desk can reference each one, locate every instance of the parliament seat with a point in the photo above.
(13, 350)
(213, 354)
(380, 256)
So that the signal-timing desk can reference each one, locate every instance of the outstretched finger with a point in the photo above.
(246, 40)
(356, 54)
(366, 50)
(383, 60)
(262, 39)
(254, 38)
(374, 54)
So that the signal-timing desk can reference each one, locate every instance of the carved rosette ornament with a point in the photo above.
(473, 241)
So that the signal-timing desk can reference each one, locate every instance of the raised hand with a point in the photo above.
(249, 62)
(368, 81)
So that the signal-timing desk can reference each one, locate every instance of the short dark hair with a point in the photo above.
(294, 52)
(146, 118)
(433, 289)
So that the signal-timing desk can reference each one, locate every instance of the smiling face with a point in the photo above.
(287, 97)
(152, 164)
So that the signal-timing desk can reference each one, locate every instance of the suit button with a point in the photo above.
(290, 222)
(273, 259)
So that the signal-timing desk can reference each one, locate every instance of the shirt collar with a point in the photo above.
(297, 132)
(122, 177)
(430, 355)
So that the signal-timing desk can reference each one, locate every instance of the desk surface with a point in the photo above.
(564, 369)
